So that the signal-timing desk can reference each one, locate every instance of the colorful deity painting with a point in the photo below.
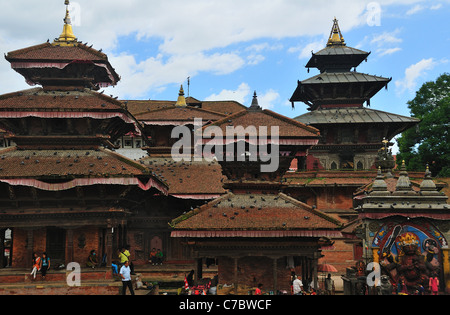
(410, 253)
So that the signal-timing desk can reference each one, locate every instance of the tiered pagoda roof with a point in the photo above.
(254, 207)
(63, 129)
(64, 63)
(337, 85)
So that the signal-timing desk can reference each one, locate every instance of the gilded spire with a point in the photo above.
(181, 99)
(336, 37)
(67, 37)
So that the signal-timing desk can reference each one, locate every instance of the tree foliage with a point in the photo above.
(429, 142)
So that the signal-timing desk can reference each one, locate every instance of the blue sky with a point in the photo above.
(231, 48)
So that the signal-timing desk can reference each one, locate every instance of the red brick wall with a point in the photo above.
(22, 259)
(340, 256)
(91, 237)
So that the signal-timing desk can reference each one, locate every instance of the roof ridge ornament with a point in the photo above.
(336, 38)
(403, 183)
(181, 99)
(255, 104)
(67, 37)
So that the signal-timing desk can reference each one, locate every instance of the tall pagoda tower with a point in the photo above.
(354, 140)
(351, 132)
(62, 188)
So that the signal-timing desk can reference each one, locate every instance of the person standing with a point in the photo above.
(44, 265)
(125, 273)
(297, 286)
(126, 252)
(329, 285)
(434, 285)
(122, 257)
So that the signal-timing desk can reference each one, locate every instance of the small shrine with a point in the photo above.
(406, 231)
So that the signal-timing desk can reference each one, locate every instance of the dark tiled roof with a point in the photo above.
(188, 178)
(182, 114)
(323, 182)
(16, 163)
(255, 212)
(343, 77)
(287, 126)
(224, 107)
(352, 116)
(47, 51)
(340, 50)
(39, 99)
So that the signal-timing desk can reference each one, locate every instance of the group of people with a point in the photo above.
(124, 267)
(298, 289)
(41, 264)
(433, 284)
(156, 257)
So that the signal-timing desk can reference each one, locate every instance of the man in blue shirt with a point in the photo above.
(125, 273)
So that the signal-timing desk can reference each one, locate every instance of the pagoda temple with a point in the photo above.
(63, 190)
(354, 137)
(257, 233)
(351, 133)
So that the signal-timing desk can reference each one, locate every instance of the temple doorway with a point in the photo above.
(157, 243)
(56, 245)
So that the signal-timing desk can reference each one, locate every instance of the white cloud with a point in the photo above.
(416, 9)
(244, 94)
(305, 51)
(191, 35)
(387, 43)
(387, 37)
(436, 6)
(388, 51)
(268, 99)
(413, 74)
(156, 72)
(241, 94)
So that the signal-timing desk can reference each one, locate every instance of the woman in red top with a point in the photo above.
(36, 265)
(434, 285)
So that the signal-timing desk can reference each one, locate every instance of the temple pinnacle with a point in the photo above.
(67, 37)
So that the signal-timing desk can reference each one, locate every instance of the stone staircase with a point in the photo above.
(168, 278)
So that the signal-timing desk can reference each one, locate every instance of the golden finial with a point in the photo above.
(336, 37)
(181, 99)
(67, 37)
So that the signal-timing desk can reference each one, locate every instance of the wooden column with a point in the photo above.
(109, 245)
(30, 246)
(69, 235)
(446, 271)
(235, 277)
(199, 267)
(2, 248)
(315, 273)
(275, 275)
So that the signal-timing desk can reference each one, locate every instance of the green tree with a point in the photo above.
(429, 142)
